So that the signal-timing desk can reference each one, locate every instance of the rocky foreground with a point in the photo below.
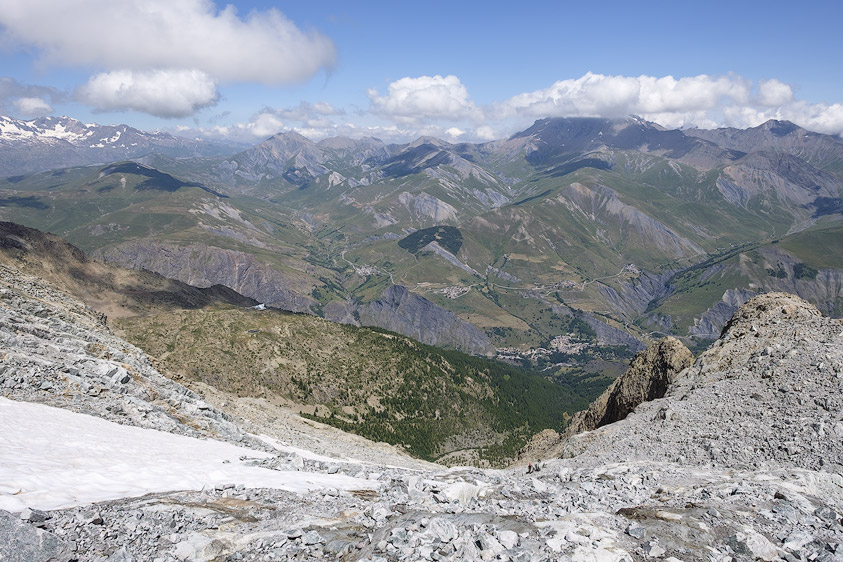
(741, 459)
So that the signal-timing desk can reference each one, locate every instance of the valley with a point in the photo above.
(434, 404)
(615, 231)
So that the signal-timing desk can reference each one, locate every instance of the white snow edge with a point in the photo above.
(53, 459)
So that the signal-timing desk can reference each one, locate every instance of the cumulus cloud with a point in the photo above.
(595, 95)
(264, 125)
(163, 93)
(28, 100)
(696, 101)
(773, 93)
(188, 41)
(815, 117)
(443, 107)
(32, 107)
(263, 46)
(426, 104)
(424, 99)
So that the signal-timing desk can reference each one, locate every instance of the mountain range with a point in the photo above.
(567, 246)
(48, 143)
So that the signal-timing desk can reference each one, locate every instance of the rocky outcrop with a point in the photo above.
(647, 378)
(710, 323)
(632, 297)
(401, 311)
(202, 266)
(744, 403)
(609, 335)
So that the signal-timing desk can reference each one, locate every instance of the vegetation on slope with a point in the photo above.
(448, 237)
(370, 382)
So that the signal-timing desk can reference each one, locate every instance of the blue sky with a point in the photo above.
(459, 70)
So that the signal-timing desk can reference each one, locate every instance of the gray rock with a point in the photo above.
(122, 555)
(33, 515)
(409, 314)
(22, 542)
(311, 538)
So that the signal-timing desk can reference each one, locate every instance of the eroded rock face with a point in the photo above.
(202, 266)
(401, 311)
(647, 378)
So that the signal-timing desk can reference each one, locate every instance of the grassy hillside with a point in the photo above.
(373, 383)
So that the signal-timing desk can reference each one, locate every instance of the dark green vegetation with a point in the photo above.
(448, 237)
(154, 179)
(374, 383)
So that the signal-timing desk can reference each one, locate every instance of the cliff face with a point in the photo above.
(108, 289)
(401, 311)
(648, 377)
(203, 266)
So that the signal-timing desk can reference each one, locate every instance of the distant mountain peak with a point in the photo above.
(437, 142)
(290, 136)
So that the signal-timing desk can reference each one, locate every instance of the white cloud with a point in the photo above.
(32, 107)
(28, 100)
(264, 125)
(773, 93)
(597, 95)
(424, 99)
(486, 133)
(443, 107)
(305, 111)
(263, 46)
(144, 44)
(164, 93)
(817, 117)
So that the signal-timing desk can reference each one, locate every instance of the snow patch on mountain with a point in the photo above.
(52, 459)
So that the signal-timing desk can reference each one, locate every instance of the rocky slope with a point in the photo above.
(771, 387)
(401, 311)
(59, 352)
(113, 291)
(646, 489)
(201, 265)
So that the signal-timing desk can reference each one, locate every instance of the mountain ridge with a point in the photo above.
(28, 146)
